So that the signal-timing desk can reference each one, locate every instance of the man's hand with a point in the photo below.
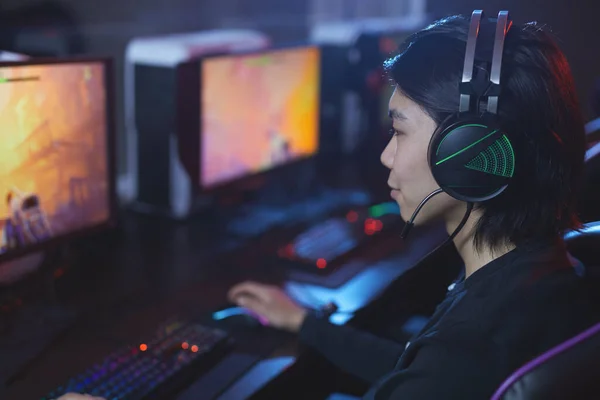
(75, 396)
(269, 302)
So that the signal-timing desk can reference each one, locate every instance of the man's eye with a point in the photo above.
(394, 132)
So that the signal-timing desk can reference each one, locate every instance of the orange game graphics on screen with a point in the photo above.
(53, 151)
(259, 111)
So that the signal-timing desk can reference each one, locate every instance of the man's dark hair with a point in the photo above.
(538, 108)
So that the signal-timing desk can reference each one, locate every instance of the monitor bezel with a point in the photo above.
(111, 221)
(189, 117)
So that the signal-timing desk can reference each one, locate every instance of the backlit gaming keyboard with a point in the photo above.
(328, 241)
(151, 368)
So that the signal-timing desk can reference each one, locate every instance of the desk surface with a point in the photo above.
(154, 269)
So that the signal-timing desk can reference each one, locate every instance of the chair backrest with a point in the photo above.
(589, 200)
(585, 244)
(570, 370)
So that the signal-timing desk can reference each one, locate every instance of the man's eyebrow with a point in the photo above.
(397, 115)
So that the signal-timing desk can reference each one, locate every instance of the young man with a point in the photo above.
(521, 294)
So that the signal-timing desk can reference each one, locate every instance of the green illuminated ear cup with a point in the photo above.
(471, 161)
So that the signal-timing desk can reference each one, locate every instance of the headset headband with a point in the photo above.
(491, 88)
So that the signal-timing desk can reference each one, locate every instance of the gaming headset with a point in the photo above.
(470, 157)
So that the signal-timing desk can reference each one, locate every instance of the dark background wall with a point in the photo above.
(575, 22)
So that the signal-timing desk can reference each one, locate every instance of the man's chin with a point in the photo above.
(421, 220)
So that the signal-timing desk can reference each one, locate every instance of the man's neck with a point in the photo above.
(464, 242)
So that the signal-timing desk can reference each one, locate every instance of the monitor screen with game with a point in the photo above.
(258, 111)
(55, 168)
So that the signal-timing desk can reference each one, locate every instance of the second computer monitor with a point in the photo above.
(258, 111)
(55, 152)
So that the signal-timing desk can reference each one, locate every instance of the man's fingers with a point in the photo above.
(249, 289)
(76, 396)
(254, 304)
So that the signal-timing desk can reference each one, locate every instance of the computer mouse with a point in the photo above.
(238, 318)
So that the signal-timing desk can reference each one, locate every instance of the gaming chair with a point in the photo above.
(570, 370)
(589, 199)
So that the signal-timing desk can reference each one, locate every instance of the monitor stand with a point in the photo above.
(28, 328)
(289, 185)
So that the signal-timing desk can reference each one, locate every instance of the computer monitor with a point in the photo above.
(252, 112)
(56, 152)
